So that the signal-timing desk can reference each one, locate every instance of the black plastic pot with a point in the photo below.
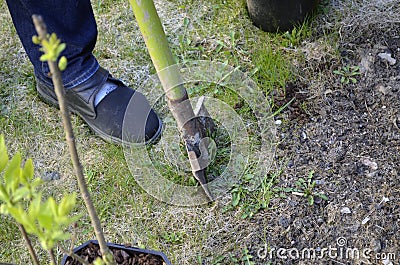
(279, 15)
(129, 250)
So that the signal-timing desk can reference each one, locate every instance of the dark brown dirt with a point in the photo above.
(350, 136)
(92, 251)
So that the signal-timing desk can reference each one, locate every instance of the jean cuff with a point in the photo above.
(68, 81)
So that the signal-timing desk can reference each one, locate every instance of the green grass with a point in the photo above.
(272, 69)
(215, 30)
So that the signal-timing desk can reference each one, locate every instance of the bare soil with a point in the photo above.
(349, 134)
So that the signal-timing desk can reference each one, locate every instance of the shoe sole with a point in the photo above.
(49, 99)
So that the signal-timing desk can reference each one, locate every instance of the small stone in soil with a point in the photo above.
(369, 163)
(365, 220)
(283, 221)
(387, 57)
(345, 210)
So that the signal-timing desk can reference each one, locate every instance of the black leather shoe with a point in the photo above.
(122, 116)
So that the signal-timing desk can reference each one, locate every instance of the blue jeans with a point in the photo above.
(73, 22)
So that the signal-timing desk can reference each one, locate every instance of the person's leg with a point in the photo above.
(73, 22)
(91, 92)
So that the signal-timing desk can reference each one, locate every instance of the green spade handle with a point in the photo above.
(157, 45)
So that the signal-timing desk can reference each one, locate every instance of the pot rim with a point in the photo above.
(122, 247)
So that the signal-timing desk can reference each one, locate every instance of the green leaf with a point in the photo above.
(245, 215)
(22, 218)
(3, 154)
(186, 21)
(264, 204)
(67, 203)
(45, 219)
(53, 39)
(35, 207)
(52, 48)
(232, 35)
(3, 209)
(59, 235)
(248, 177)
(322, 196)
(46, 45)
(33, 185)
(28, 169)
(36, 182)
(60, 48)
(4, 195)
(300, 182)
(12, 174)
(15, 212)
(27, 173)
(356, 70)
(52, 205)
(311, 200)
(36, 40)
(312, 184)
(67, 220)
(62, 63)
(20, 193)
(235, 199)
(45, 57)
(46, 243)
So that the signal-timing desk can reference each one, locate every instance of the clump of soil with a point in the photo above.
(92, 251)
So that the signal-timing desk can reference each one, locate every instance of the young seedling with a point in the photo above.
(173, 237)
(348, 74)
(247, 258)
(251, 201)
(52, 48)
(297, 34)
(306, 189)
